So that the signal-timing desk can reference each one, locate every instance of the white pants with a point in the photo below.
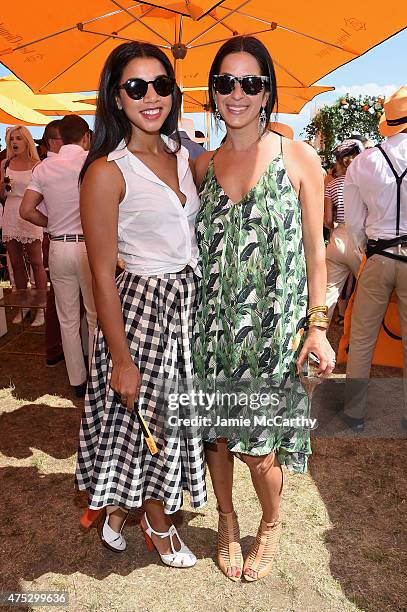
(341, 260)
(71, 276)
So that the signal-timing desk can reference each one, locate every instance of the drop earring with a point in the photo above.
(218, 116)
(262, 120)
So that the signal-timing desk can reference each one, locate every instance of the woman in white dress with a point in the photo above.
(20, 235)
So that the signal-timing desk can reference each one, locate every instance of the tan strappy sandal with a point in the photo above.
(263, 551)
(229, 550)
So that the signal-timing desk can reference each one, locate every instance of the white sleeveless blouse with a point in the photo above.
(156, 234)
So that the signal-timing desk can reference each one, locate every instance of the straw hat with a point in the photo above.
(394, 118)
(281, 128)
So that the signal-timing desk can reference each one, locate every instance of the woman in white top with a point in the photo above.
(138, 199)
(18, 234)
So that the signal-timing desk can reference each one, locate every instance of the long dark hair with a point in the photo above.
(111, 124)
(252, 45)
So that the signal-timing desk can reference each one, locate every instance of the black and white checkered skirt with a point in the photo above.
(114, 464)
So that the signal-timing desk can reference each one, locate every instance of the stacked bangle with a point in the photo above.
(317, 309)
(319, 322)
(317, 316)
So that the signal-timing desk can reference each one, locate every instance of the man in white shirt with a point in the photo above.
(56, 181)
(375, 201)
(51, 141)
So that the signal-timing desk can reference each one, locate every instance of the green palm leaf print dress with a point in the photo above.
(253, 300)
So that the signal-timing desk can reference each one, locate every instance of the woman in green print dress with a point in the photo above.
(262, 253)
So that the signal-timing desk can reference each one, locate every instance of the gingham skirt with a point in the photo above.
(114, 464)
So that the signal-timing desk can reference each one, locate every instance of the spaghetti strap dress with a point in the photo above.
(252, 303)
(14, 226)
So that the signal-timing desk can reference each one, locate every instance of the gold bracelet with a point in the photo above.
(316, 317)
(318, 324)
(313, 309)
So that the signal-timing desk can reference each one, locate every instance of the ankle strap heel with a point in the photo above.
(183, 557)
(112, 539)
(229, 549)
(261, 556)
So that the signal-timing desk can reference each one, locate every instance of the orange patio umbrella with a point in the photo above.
(56, 47)
(19, 105)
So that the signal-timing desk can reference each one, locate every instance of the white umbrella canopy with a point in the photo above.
(19, 105)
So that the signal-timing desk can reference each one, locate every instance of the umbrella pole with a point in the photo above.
(179, 79)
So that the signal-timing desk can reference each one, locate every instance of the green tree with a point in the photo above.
(348, 115)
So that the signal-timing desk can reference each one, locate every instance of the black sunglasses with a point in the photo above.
(136, 89)
(7, 182)
(251, 84)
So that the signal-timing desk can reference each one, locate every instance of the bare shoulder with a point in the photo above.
(302, 162)
(103, 171)
(101, 167)
(302, 151)
(104, 178)
(201, 166)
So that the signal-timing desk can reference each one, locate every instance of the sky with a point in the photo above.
(380, 71)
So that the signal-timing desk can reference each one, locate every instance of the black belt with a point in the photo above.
(69, 238)
(377, 247)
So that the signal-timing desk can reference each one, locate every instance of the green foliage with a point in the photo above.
(348, 115)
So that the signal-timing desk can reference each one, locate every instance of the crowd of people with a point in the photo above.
(224, 279)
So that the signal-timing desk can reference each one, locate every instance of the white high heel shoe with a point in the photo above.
(183, 557)
(111, 539)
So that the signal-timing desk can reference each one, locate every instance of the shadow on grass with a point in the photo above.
(30, 378)
(28, 374)
(363, 484)
(50, 429)
(40, 532)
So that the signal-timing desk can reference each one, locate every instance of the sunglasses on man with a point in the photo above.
(136, 89)
(250, 84)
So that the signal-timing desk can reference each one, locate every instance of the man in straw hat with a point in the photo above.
(375, 201)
